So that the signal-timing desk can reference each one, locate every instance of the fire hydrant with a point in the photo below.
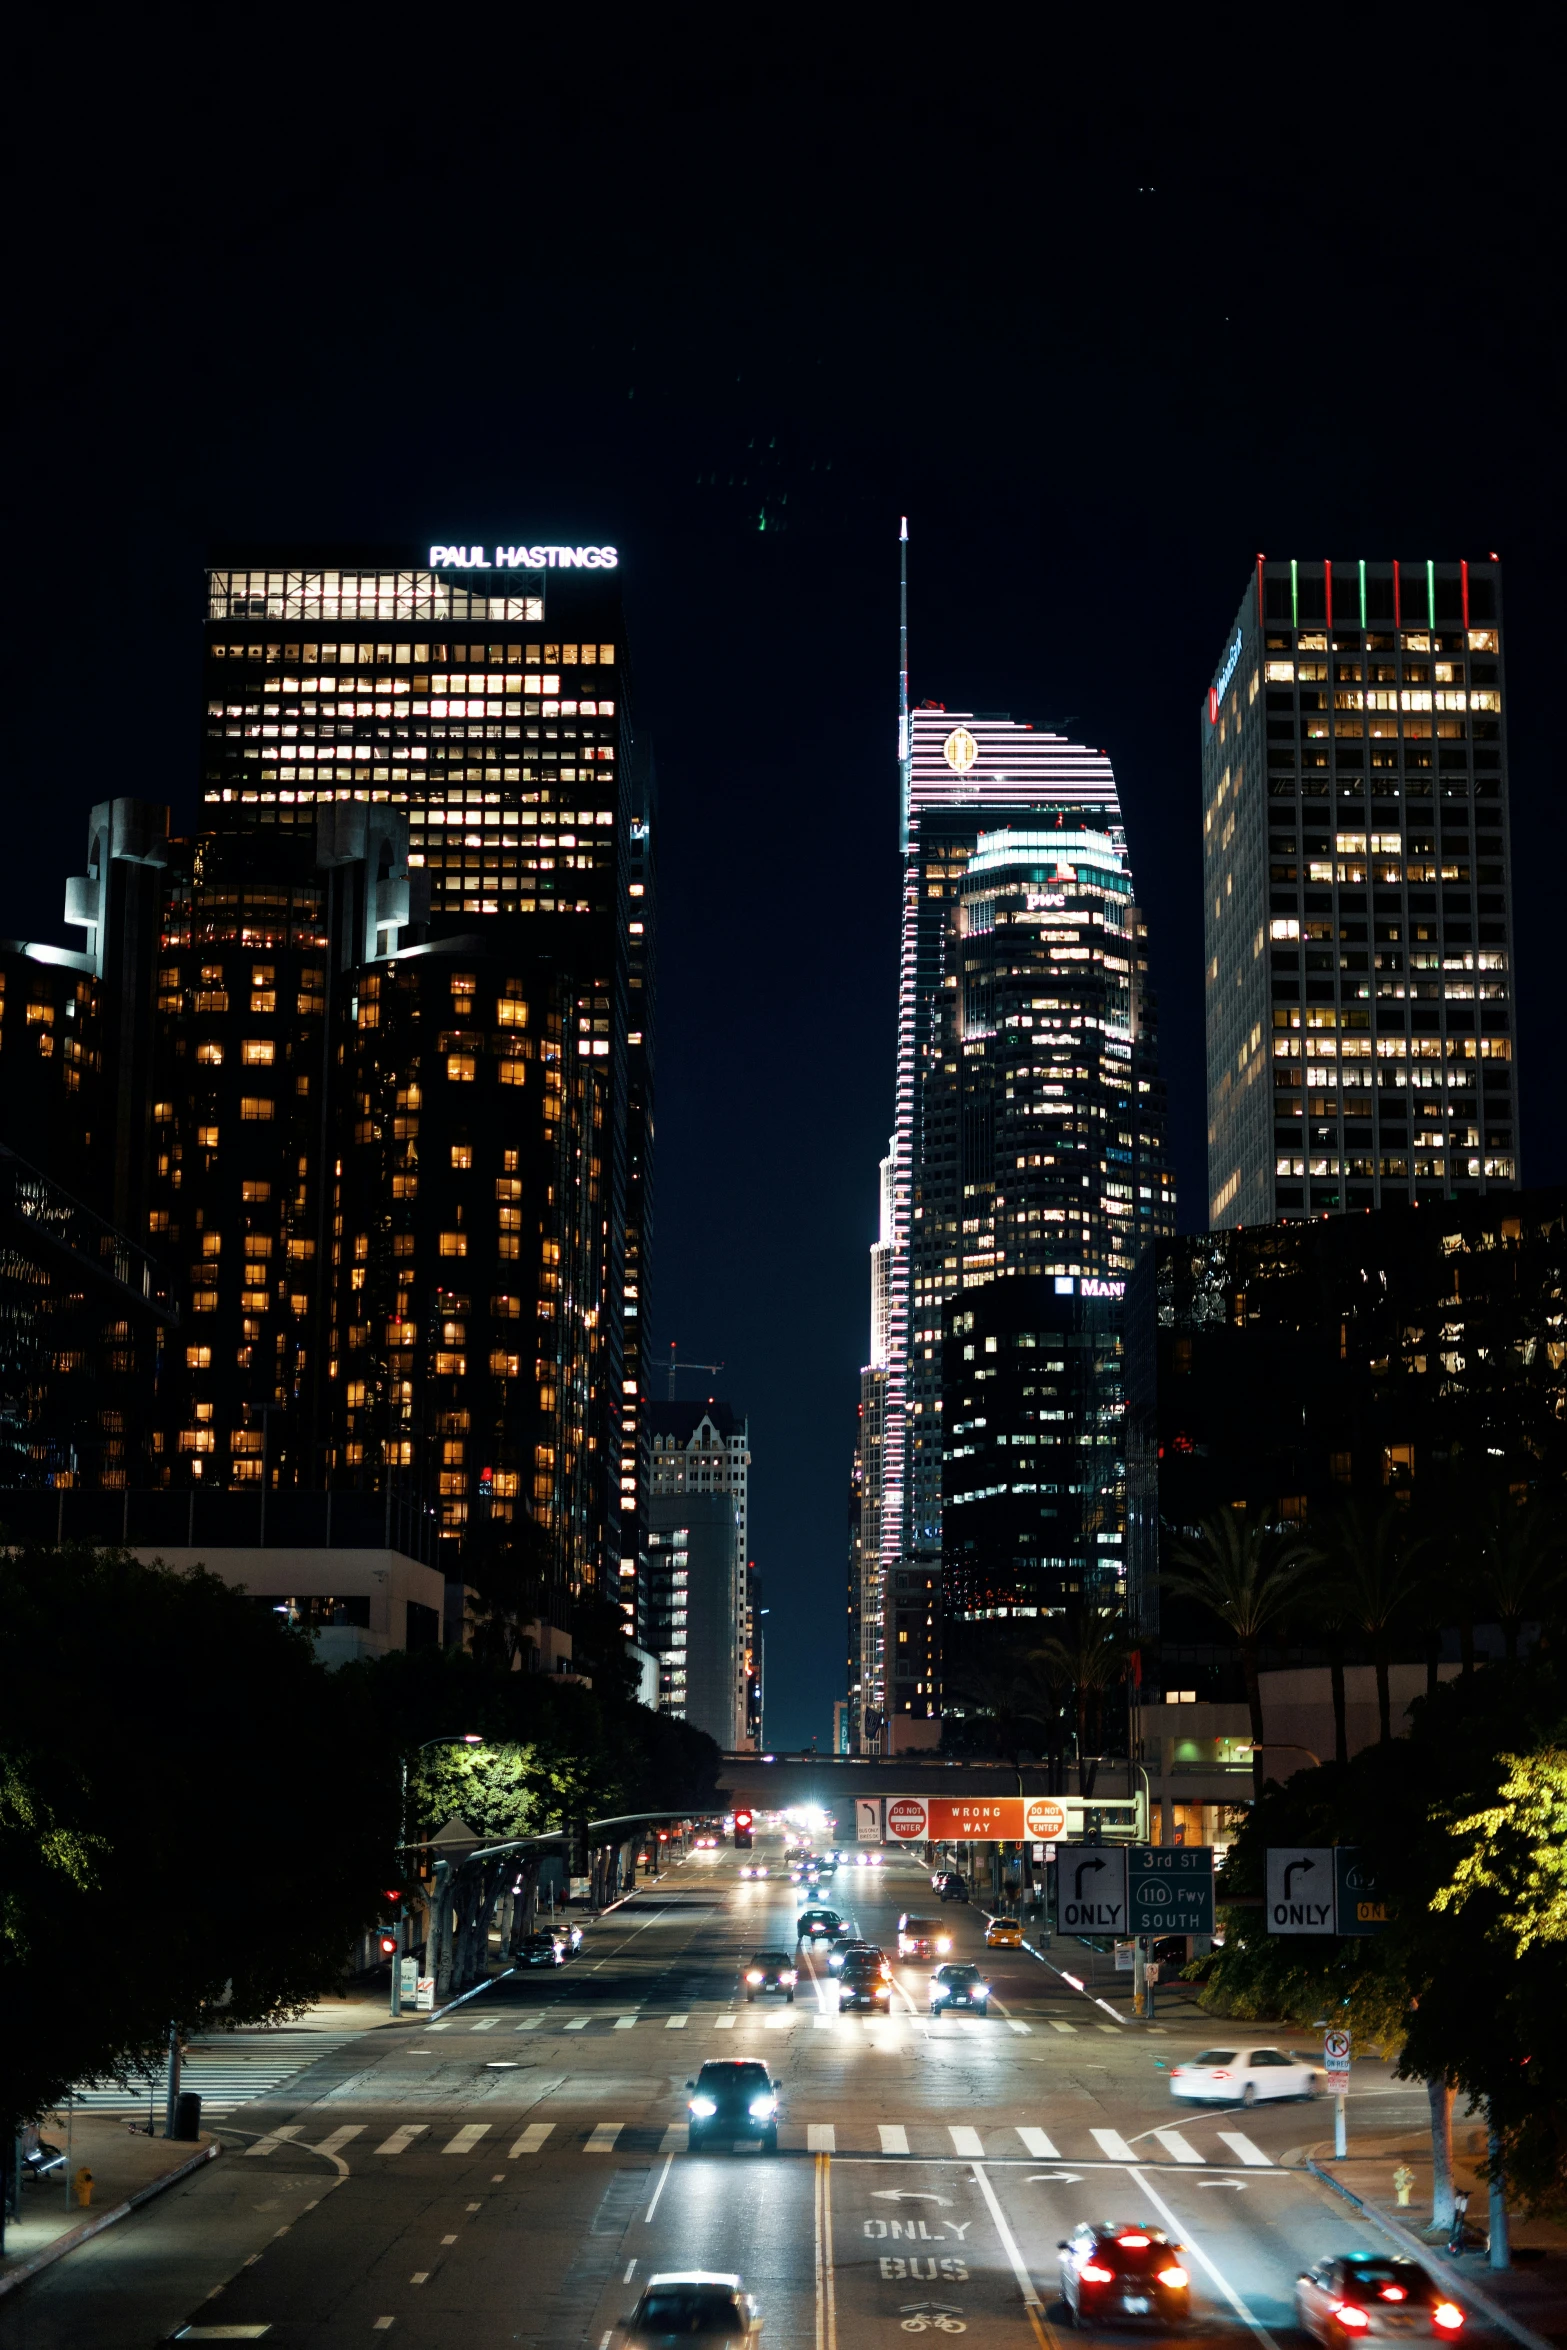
(83, 2185)
(1403, 2180)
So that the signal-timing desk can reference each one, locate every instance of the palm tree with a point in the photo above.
(1516, 1543)
(1247, 1575)
(1371, 1558)
(1088, 1658)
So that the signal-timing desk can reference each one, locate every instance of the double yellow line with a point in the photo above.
(826, 2282)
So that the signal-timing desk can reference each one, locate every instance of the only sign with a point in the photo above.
(906, 1818)
(1044, 1819)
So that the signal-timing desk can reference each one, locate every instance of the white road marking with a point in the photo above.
(821, 2138)
(421, 2276)
(676, 2023)
(532, 2138)
(579, 2023)
(1185, 2236)
(894, 2138)
(467, 2138)
(1251, 2155)
(1060, 2027)
(823, 2021)
(623, 2023)
(659, 2189)
(1008, 2240)
(1107, 2027)
(401, 2139)
(966, 2142)
(725, 2023)
(603, 2139)
(488, 2024)
(440, 2027)
(1038, 2144)
(275, 2138)
(1174, 2144)
(674, 2140)
(337, 2138)
(529, 2023)
(1014, 2026)
(1113, 2144)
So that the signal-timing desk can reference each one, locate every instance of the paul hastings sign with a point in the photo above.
(524, 559)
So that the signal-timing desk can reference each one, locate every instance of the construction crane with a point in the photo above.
(674, 1367)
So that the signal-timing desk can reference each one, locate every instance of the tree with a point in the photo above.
(506, 1564)
(1370, 1559)
(1247, 1575)
(196, 1819)
(1090, 1656)
(1513, 1545)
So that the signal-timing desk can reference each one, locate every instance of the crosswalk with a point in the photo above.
(923, 2139)
(222, 2081)
(783, 2019)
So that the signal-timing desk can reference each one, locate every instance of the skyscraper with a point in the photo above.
(703, 1450)
(1029, 1115)
(1356, 897)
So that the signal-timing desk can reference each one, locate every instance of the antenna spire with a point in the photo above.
(905, 753)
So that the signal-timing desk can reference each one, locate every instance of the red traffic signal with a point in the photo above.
(663, 1835)
(743, 1821)
(388, 1945)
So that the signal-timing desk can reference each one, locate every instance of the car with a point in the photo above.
(1004, 1934)
(866, 1981)
(1367, 2293)
(922, 1937)
(827, 1867)
(949, 1885)
(707, 1844)
(771, 1970)
(1114, 2273)
(846, 1939)
(692, 2304)
(958, 1986)
(733, 2097)
(1244, 2076)
(817, 1925)
(753, 1868)
(542, 1950)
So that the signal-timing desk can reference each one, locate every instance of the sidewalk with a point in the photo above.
(1533, 2293)
(127, 2168)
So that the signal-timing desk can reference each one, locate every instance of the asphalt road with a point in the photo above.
(510, 2173)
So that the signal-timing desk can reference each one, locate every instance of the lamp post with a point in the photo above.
(467, 1738)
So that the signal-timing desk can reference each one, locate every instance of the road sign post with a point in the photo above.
(1336, 2061)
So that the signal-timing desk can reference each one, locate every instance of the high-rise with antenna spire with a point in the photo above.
(1028, 1145)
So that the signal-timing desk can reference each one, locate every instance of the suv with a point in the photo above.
(1109, 2273)
(959, 1986)
(923, 1937)
(771, 1970)
(865, 1980)
(733, 2097)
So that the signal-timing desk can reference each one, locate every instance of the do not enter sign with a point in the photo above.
(906, 1818)
(1044, 1820)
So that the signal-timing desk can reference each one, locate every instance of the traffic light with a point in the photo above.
(388, 1942)
(743, 1831)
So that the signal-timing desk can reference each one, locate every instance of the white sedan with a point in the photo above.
(1244, 2076)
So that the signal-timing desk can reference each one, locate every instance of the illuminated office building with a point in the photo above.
(703, 1449)
(1030, 1115)
(1359, 957)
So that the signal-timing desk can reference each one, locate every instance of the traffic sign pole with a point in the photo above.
(1336, 2058)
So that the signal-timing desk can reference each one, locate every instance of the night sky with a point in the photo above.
(1103, 315)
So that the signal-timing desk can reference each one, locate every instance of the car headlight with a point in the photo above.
(943, 1941)
(882, 1991)
(761, 2107)
(754, 1974)
(789, 1976)
(702, 2107)
(938, 1990)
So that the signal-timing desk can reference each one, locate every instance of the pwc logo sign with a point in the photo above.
(908, 1818)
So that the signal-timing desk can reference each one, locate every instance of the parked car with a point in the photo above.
(1363, 2294)
(1117, 2273)
(733, 2097)
(694, 2304)
(1244, 2076)
(771, 1970)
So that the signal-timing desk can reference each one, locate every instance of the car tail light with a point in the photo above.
(1092, 2274)
(1133, 2243)
(1394, 2293)
(1175, 2278)
(1355, 2321)
(1448, 2316)
(1219, 2075)
(754, 1974)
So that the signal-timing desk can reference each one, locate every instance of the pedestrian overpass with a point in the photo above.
(963, 1801)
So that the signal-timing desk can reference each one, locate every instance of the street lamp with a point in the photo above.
(466, 1738)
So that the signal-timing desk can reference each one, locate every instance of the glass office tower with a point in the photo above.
(1356, 895)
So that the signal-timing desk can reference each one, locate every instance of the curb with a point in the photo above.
(104, 2219)
(1423, 2253)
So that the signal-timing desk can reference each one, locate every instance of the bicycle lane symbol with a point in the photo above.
(919, 2317)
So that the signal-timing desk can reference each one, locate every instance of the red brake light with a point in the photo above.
(1354, 2320)
(1220, 2073)
(1448, 2316)
(1092, 2274)
(1139, 2242)
(1173, 2277)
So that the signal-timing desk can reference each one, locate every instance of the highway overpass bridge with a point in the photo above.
(843, 1785)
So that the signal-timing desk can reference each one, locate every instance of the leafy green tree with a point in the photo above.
(195, 1818)
(1248, 1575)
